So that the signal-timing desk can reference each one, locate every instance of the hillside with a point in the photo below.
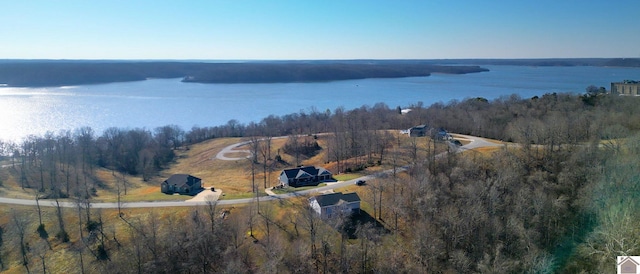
(549, 62)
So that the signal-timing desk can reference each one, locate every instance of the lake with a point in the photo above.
(157, 102)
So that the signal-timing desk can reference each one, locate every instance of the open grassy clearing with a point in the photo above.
(485, 150)
(244, 195)
(347, 176)
(295, 189)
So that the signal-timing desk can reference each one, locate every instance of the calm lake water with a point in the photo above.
(152, 103)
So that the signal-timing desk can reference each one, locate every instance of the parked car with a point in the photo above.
(360, 182)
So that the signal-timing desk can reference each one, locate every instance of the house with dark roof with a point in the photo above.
(443, 135)
(181, 183)
(304, 176)
(419, 131)
(332, 204)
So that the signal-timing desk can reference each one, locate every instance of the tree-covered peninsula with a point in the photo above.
(38, 73)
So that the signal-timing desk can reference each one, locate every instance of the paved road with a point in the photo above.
(230, 149)
(475, 142)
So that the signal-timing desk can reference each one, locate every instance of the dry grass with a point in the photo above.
(487, 150)
(61, 259)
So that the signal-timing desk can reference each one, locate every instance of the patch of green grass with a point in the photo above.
(294, 189)
(233, 196)
(155, 196)
(347, 176)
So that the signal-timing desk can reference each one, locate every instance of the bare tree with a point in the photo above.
(310, 221)
(40, 249)
(21, 222)
(254, 145)
(62, 234)
(265, 152)
(211, 208)
(267, 218)
(2, 266)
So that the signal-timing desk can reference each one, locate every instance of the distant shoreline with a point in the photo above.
(56, 73)
(43, 73)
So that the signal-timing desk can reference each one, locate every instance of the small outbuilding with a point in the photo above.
(181, 183)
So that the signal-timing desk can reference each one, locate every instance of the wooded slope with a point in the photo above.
(65, 73)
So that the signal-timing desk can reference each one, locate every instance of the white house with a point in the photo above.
(328, 205)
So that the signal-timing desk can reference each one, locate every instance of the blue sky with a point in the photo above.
(327, 29)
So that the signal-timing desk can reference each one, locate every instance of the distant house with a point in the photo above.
(181, 183)
(329, 205)
(419, 131)
(443, 135)
(304, 176)
(405, 110)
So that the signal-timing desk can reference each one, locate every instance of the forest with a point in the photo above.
(561, 196)
(38, 73)
(43, 73)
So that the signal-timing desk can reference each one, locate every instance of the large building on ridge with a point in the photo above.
(626, 87)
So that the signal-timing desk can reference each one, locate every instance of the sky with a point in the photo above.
(310, 29)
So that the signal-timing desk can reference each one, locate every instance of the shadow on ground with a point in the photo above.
(363, 219)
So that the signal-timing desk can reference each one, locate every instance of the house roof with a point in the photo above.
(336, 198)
(306, 171)
(182, 180)
(420, 127)
(628, 258)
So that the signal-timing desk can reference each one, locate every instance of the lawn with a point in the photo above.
(244, 195)
(347, 176)
(294, 189)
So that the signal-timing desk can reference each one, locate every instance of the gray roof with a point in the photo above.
(420, 127)
(306, 171)
(336, 198)
(181, 180)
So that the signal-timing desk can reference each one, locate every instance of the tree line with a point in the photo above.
(36, 73)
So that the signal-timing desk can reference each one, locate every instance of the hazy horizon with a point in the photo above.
(306, 60)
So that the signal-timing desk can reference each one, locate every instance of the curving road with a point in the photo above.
(231, 149)
(475, 142)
